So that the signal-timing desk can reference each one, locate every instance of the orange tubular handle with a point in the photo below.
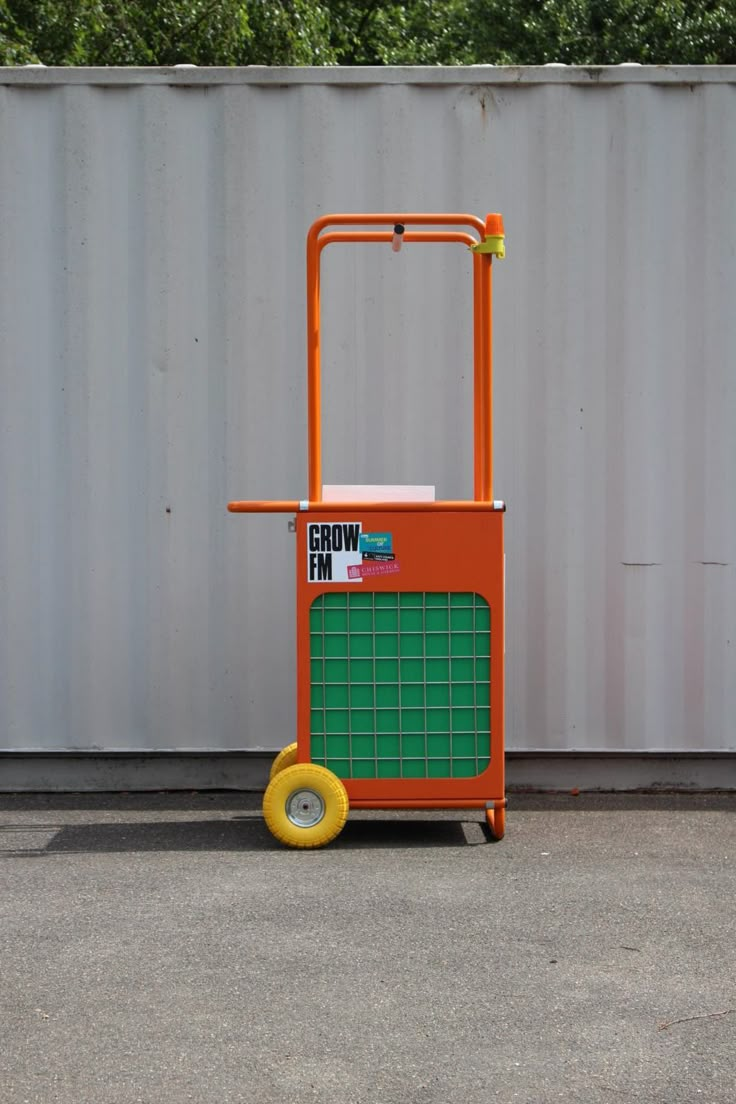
(391, 220)
(317, 239)
(482, 414)
(388, 236)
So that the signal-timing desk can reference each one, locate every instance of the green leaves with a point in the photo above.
(604, 32)
(287, 32)
(425, 32)
(366, 32)
(124, 32)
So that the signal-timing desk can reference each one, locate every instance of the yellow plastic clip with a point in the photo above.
(493, 243)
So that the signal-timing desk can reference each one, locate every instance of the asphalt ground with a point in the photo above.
(163, 949)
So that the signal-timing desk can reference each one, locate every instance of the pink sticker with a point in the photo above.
(367, 568)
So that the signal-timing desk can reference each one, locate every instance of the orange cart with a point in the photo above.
(399, 605)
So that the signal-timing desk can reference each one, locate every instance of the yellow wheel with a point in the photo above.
(285, 758)
(305, 805)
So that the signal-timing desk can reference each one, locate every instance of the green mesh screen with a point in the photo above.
(400, 684)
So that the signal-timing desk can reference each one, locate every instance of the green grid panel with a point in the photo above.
(400, 684)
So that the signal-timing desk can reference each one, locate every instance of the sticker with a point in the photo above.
(383, 556)
(333, 550)
(375, 542)
(367, 569)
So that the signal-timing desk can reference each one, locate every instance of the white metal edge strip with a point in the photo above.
(589, 75)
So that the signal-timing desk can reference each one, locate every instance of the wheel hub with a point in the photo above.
(305, 808)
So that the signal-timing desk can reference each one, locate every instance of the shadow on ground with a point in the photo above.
(231, 821)
(238, 834)
(240, 801)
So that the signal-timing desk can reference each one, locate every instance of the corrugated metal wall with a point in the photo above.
(152, 231)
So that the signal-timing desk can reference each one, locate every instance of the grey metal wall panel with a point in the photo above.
(152, 231)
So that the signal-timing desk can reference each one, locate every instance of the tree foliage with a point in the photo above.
(604, 32)
(125, 32)
(366, 32)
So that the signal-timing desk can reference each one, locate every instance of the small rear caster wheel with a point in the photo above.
(285, 758)
(305, 805)
(496, 820)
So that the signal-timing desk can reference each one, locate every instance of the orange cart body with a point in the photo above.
(400, 606)
(436, 553)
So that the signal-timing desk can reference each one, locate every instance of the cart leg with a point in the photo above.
(496, 818)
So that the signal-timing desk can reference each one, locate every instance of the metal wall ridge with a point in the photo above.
(437, 75)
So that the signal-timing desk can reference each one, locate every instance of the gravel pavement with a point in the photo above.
(163, 949)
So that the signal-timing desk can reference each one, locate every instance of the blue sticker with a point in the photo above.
(375, 542)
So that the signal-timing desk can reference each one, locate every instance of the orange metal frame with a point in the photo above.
(438, 551)
(465, 538)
